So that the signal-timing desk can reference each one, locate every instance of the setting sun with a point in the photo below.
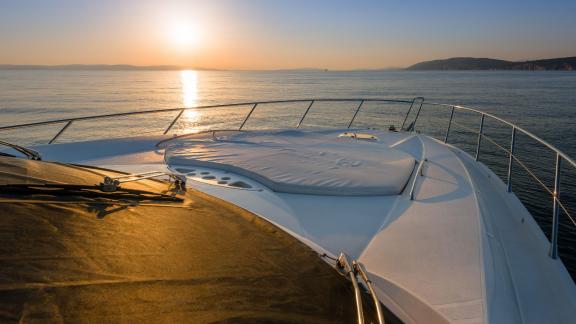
(183, 35)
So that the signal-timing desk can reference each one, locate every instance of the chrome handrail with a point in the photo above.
(420, 101)
(518, 128)
(361, 270)
(30, 154)
(419, 173)
(154, 111)
(345, 264)
(559, 155)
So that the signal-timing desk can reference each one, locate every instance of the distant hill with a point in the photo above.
(471, 63)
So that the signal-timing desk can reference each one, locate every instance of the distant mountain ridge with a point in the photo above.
(472, 63)
(455, 63)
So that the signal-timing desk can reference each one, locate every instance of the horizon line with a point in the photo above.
(167, 67)
(172, 67)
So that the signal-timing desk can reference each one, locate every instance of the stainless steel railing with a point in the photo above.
(363, 274)
(354, 270)
(419, 102)
(346, 265)
(512, 157)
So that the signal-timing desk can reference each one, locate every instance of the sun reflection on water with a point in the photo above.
(189, 81)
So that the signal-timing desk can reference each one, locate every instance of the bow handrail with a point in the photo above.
(419, 102)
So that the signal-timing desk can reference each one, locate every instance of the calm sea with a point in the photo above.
(541, 102)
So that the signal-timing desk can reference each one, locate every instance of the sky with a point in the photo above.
(274, 34)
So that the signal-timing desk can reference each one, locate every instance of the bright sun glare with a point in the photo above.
(183, 35)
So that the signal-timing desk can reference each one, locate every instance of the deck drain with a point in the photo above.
(239, 184)
(182, 170)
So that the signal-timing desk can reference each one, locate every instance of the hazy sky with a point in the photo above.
(269, 34)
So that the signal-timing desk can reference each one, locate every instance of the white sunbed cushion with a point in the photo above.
(302, 162)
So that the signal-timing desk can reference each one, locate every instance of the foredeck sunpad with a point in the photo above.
(302, 162)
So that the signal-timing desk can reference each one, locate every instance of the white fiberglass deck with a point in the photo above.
(463, 251)
(301, 162)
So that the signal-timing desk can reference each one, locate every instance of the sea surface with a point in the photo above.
(543, 103)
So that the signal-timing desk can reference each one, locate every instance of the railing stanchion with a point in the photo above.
(356, 113)
(479, 138)
(449, 124)
(417, 114)
(248, 116)
(174, 121)
(556, 210)
(60, 132)
(511, 160)
(305, 113)
(408, 113)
